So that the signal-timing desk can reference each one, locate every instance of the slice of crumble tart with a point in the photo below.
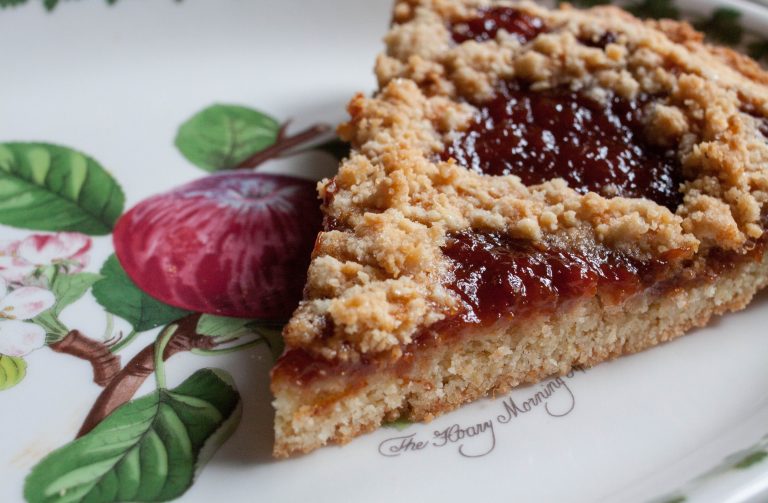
(530, 190)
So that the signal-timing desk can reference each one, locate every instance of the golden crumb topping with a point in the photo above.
(376, 279)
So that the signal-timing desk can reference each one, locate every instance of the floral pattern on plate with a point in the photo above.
(124, 445)
(185, 247)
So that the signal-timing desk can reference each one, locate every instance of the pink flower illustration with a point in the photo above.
(19, 259)
(17, 336)
(13, 269)
(46, 249)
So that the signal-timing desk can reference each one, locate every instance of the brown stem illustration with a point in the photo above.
(284, 143)
(105, 364)
(125, 384)
(121, 385)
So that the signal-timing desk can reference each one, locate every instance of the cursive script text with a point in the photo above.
(456, 433)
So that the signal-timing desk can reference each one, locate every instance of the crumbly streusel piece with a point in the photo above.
(398, 278)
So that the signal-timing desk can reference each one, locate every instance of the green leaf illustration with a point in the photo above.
(656, 9)
(11, 3)
(121, 297)
(724, 25)
(52, 188)
(55, 330)
(751, 459)
(274, 338)
(223, 136)
(149, 449)
(398, 424)
(224, 328)
(12, 371)
(70, 287)
(67, 288)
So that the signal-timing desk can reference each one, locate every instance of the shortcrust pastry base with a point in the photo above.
(509, 354)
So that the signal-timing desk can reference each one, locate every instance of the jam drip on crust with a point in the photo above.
(541, 135)
(489, 21)
(497, 276)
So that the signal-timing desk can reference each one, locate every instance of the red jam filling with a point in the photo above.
(541, 135)
(303, 367)
(489, 21)
(497, 276)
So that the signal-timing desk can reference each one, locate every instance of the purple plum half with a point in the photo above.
(231, 244)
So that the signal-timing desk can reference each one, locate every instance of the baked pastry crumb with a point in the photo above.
(498, 128)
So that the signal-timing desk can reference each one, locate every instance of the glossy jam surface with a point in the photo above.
(497, 276)
(302, 367)
(541, 135)
(489, 21)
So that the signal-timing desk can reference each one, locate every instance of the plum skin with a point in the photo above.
(231, 244)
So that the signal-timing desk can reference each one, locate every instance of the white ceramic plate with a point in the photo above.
(685, 420)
